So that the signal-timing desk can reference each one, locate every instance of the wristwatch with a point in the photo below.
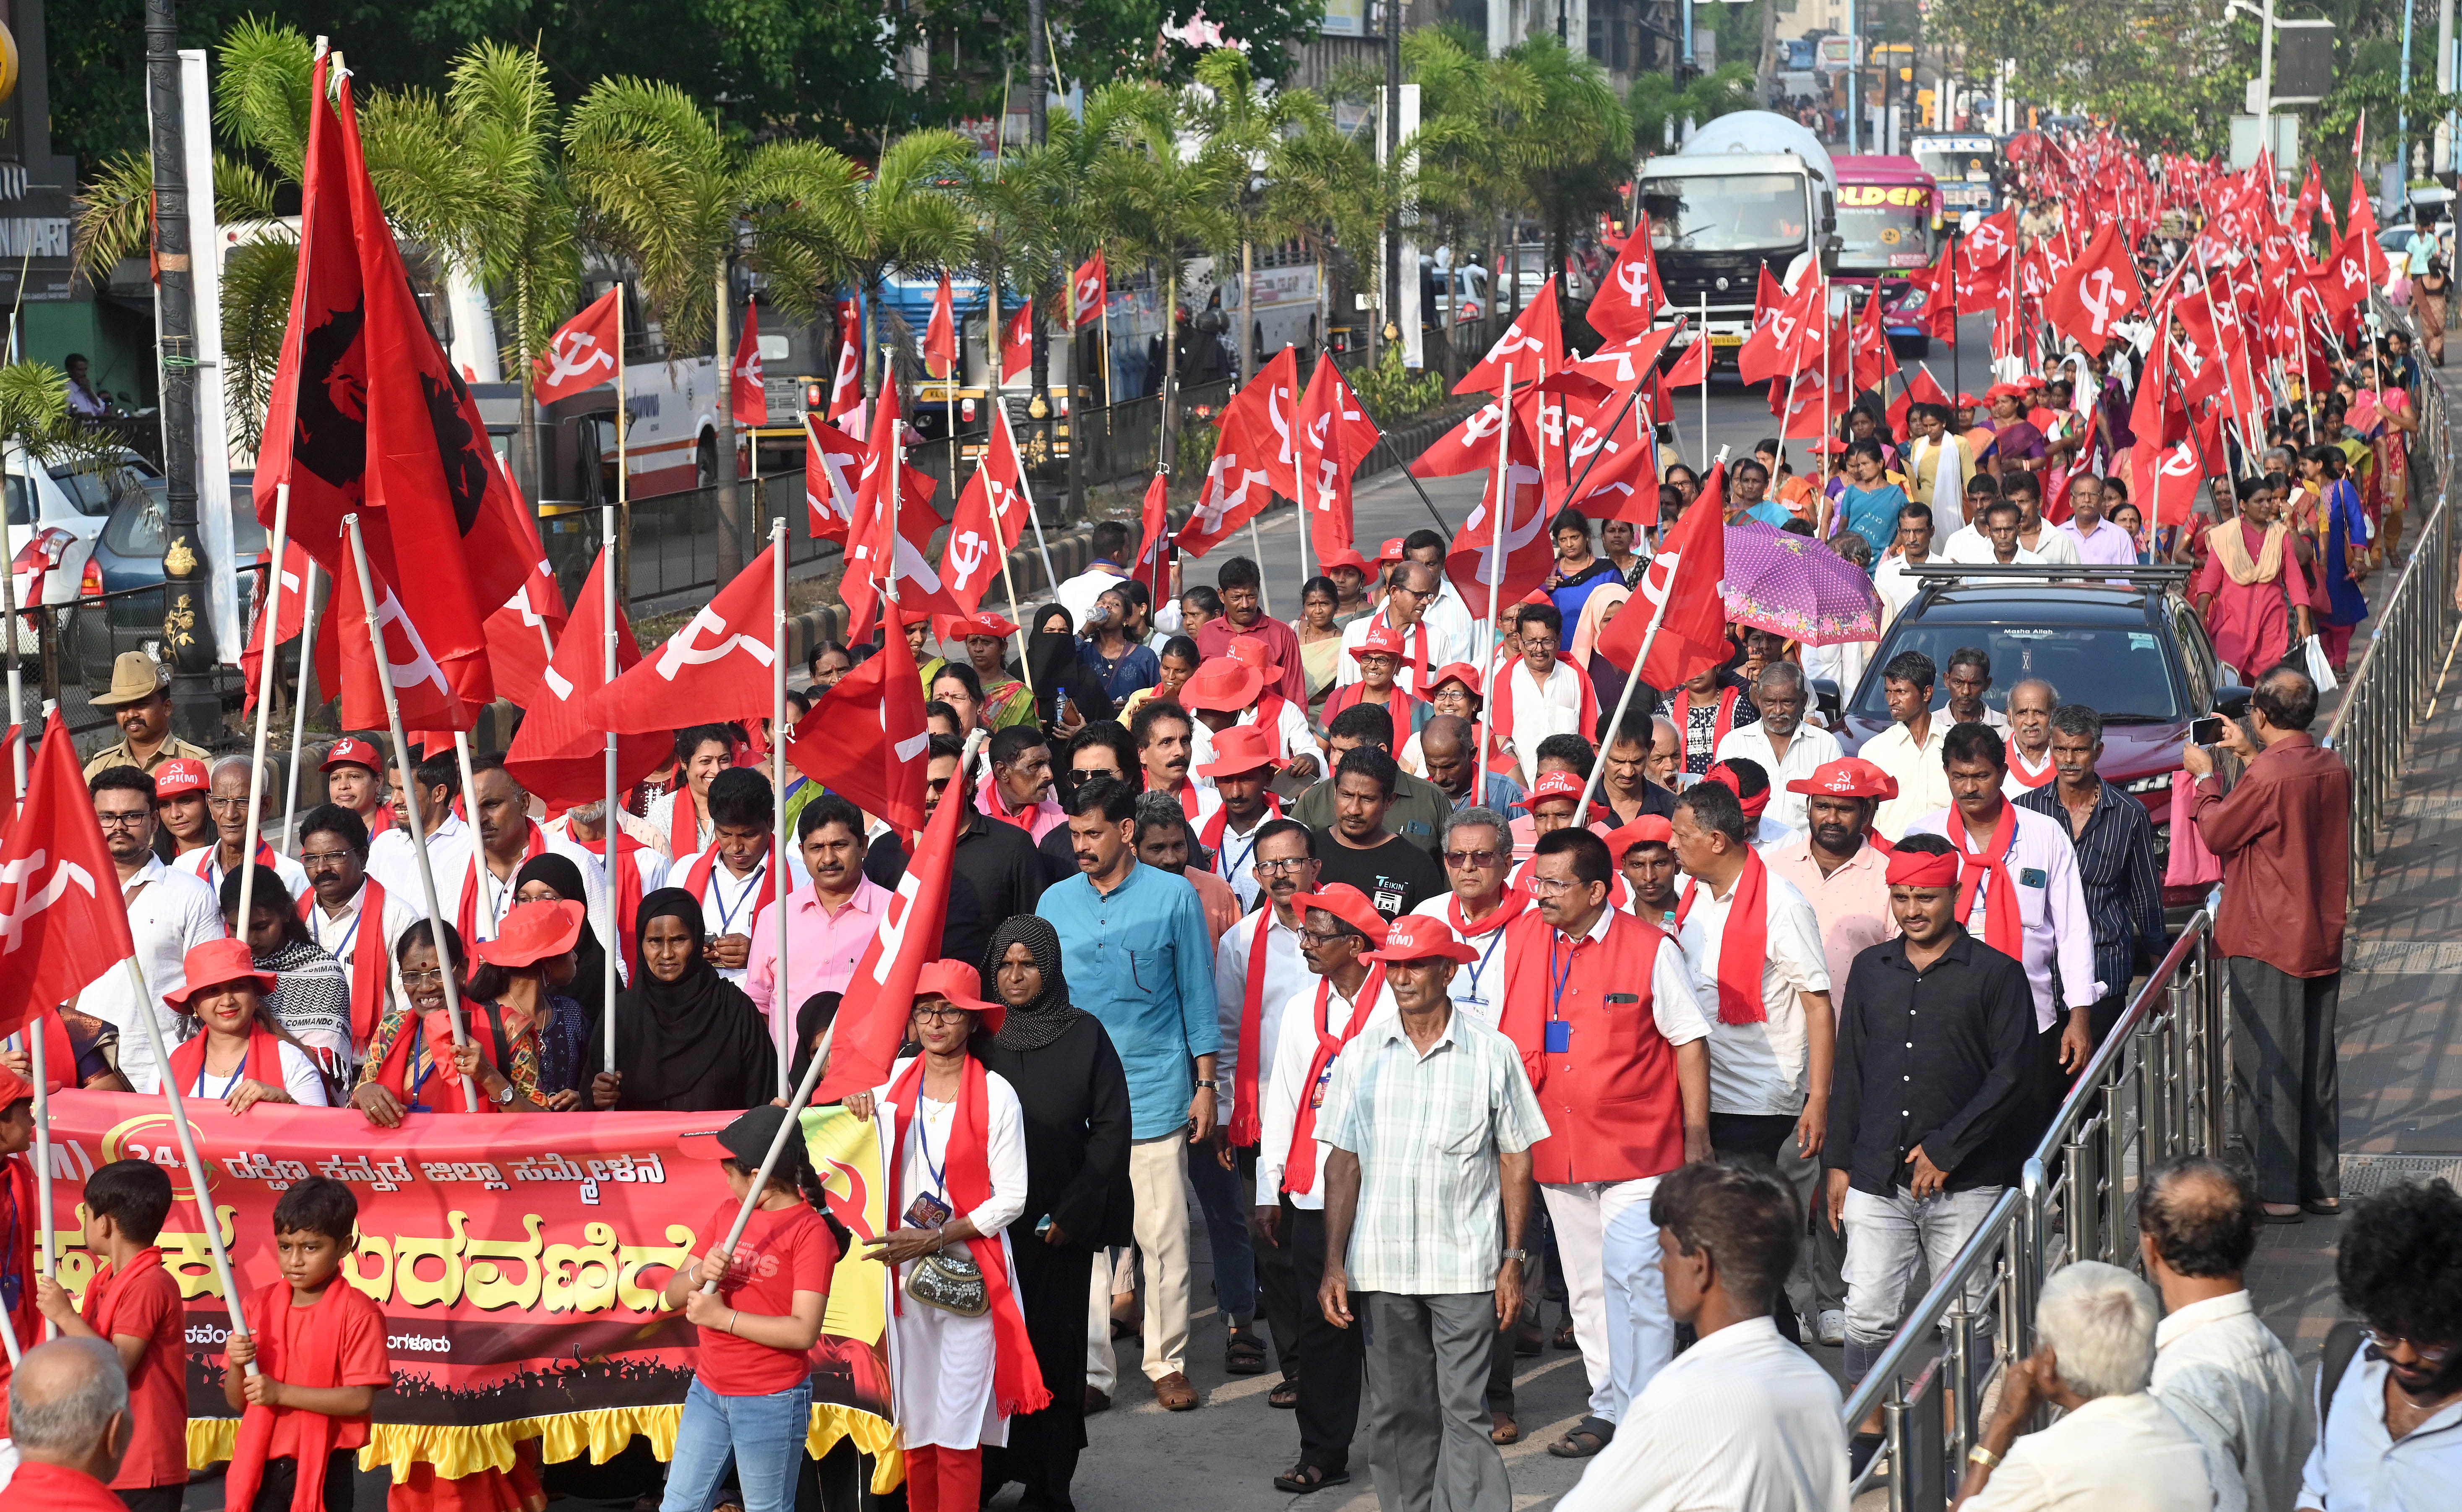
(1207, 1085)
(502, 1097)
(1521, 1255)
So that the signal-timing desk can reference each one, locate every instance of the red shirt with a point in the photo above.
(784, 1251)
(143, 1303)
(2283, 834)
(293, 1344)
(1614, 1113)
(39, 1487)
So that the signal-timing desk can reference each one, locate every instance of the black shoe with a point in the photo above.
(1860, 1450)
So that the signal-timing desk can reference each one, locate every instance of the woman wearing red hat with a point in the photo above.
(526, 970)
(952, 1145)
(241, 1057)
(412, 1064)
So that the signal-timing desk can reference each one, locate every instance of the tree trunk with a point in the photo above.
(1765, 70)
(529, 447)
(730, 509)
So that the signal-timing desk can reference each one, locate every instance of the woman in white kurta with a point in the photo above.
(953, 1142)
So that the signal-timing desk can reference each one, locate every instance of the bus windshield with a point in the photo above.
(1748, 212)
(1952, 166)
(1883, 227)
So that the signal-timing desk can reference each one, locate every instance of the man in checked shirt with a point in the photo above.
(2115, 857)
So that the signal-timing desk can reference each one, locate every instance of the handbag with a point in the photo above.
(950, 1281)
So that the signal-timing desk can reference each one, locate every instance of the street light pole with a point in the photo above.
(1393, 305)
(188, 633)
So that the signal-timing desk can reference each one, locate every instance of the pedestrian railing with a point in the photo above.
(2158, 1086)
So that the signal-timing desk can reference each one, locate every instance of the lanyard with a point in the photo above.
(718, 888)
(342, 951)
(229, 1087)
(1232, 870)
(1496, 937)
(923, 1148)
(1558, 982)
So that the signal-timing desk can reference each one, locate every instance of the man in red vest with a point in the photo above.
(1602, 1011)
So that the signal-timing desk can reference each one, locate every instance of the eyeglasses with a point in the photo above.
(1320, 936)
(131, 820)
(1463, 860)
(1550, 886)
(2433, 1355)
(945, 1013)
(1285, 867)
(227, 805)
(422, 978)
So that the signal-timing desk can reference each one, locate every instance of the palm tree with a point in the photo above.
(1574, 148)
(1471, 107)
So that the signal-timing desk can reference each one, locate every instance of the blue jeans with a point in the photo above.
(763, 1435)
(1227, 1227)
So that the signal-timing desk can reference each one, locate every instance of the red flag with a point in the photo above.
(1921, 389)
(289, 615)
(1533, 346)
(1253, 458)
(1870, 360)
(1154, 523)
(717, 666)
(832, 460)
(1467, 448)
(1335, 435)
(1932, 295)
(2171, 477)
(873, 751)
(846, 388)
(1017, 342)
(433, 694)
(941, 334)
(880, 996)
(1622, 482)
(517, 653)
(1990, 243)
(1772, 348)
(1692, 631)
(2312, 193)
(66, 924)
(991, 511)
(1623, 365)
(581, 355)
(560, 751)
(750, 397)
(1692, 369)
(875, 552)
(1088, 291)
(2346, 284)
(1472, 562)
(1627, 303)
(2096, 292)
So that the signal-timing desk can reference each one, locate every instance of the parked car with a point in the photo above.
(127, 555)
(55, 513)
(2135, 652)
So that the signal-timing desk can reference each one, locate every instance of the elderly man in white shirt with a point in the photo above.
(169, 912)
(2116, 1447)
(1786, 748)
(2221, 1371)
(1743, 1422)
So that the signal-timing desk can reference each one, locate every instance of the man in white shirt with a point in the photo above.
(1447, 614)
(1969, 675)
(2035, 533)
(1476, 850)
(2115, 1448)
(2221, 1371)
(1077, 594)
(2029, 731)
(391, 861)
(355, 919)
(1539, 694)
(475, 879)
(1991, 539)
(228, 804)
(1909, 750)
(734, 878)
(1743, 1422)
(169, 912)
(1889, 578)
(1424, 650)
(1785, 748)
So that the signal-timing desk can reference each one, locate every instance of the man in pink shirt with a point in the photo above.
(2098, 541)
(830, 923)
(1244, 614)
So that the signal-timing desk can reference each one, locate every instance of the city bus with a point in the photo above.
(1889, 220)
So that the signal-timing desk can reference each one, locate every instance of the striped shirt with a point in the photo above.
(1427, 1130)
(2124, 888)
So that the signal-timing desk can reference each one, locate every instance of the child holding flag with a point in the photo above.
(133, 1305)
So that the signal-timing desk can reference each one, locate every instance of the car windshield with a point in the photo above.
(92, 491)
(1884, 226)
(138, 530)
(1745, 213)
(2125, 673)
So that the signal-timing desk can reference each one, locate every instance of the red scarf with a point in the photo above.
(1399, 705)
(1720, 730)
(370, 956)
(624, 876)
(683, 822)
(2004, 928)
(1270, 715)
(263, 1063)
(2018, 767)
(1299, 1167)
(207, 867)
(1209, 834)
(1500, 711)
(1509, 908)
(379, 821)
(1247, 1128)
(1414, 643)
(697, 882)
(1742, 944)
(480, 1020)
(466, 920)
(103, 1292)
(297, 1347)
(1016, 1380)
(993, 804)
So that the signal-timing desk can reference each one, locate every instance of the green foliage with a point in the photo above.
(1655, 101)
(1393, 393)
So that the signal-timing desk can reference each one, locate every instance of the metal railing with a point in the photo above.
(2158, 1086)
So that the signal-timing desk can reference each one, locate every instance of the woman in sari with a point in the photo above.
(1320, 638)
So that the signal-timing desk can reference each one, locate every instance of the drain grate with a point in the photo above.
(2364, 1175)
(2402, 957)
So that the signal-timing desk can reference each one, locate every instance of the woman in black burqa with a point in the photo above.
(1075, 1098)
(686, 1038)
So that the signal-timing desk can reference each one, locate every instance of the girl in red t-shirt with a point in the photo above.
(751, 1395)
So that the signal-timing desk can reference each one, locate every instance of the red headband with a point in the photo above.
(1922, 868)
(1725, 777)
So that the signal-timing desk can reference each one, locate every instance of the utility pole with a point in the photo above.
(1854, 81)
(187, 631)
(1394, 307)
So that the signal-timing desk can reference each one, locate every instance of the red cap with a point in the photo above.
(1967, 401)
(1222, 685)
(961, 985)
(1243, 748)
(1390, 550)
(1346, 557)
(183, 774)
(215, 964)
(532, 933)
(1829, 448)
(1461, 672)
(1650, 829)
(1536, 595)
(14, 1088)
(1999, 390)
(1416, 937)
(1346, 903)
(954, 627)
(1382, 640)
(1847, 777)
(1552, 784)
(348, 751)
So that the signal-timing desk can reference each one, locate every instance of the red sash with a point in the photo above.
(263, 1063)
(489, 1026)
(1016, 1380)
(697, 882)
(303, 1348)
(1246, 1129)
(624, 879)
(371, 955)
(103, 1292)
(1209, 834)
(466, 917)
(1269, 715)
(1743, 941)
(1500, 708)
(1299, 1166)
(1399, 705)
(380, 820)
(207, 867)
(683, 822)
(2004, 928)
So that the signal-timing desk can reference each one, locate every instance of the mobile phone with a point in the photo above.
(2207, 730)
(1044, 1225)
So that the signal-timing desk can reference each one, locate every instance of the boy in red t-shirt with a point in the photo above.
(319, 1350)
(133, 1305)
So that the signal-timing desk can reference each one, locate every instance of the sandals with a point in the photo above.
(1564, 1339)
(1285, 1395)
(1506, 1430)
(1588, 1438)
(1244, 1355)
(2324, 1206)
(1300, 1479)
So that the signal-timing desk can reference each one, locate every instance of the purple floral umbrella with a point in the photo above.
(1794, 585)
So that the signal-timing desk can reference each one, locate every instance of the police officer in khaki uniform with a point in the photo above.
(141, 701)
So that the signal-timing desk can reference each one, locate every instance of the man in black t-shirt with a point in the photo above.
(1357, 848)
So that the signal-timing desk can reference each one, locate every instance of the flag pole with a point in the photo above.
(782, 1017)
(1623, 700)
(16, 682)
(417, 847)
(1496, 575)
(299, 707)
(1706, 357)
(610, 832)
(620, 517)
(791, 1126)
(1264, 599)
(46, 1231)
(179, 1114)
(269, 616)
(896, 467)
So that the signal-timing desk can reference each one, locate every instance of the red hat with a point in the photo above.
(183, 774)
(1252, 651)
(961, 985)
(1966, 400)
(1390, 550)
(952, 627)
(1243, 748)
(1416, 937)
(1999, 390)
(14, 1088)
(1346, 903)
(1536, 595)
(1346, 557)
(1922, 868)
(1552, 784)
(1829, 448)
(1222, 685)
(1650, 829)
(215, 964)
(1461, 672)
(1848, 777)
(2034, 380)
(348, 751)
(532, 933)
(1382, 640)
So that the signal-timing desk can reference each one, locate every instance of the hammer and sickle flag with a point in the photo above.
(62, 922)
